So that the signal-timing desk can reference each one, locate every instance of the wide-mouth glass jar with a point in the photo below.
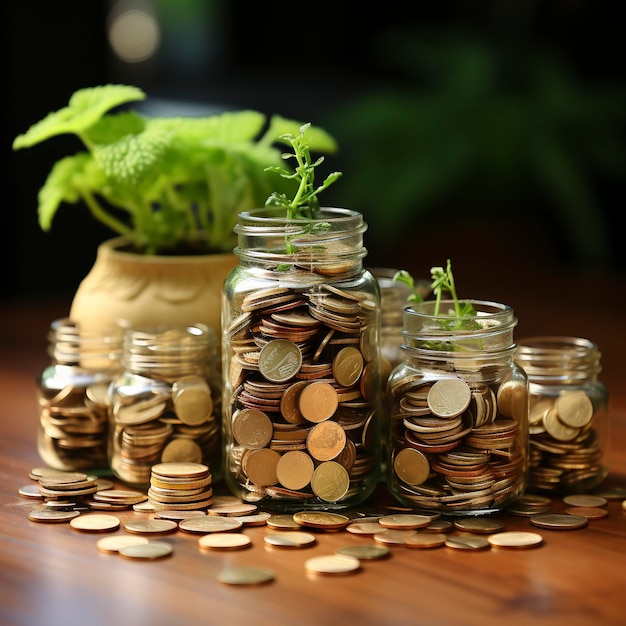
(568, 419)
(458, 411)
(301, 362)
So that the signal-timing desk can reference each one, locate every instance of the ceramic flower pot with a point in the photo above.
(147, 291)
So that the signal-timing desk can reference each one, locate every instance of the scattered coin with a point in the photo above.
(513, 539)
(467, 542)
(115, 543)
(365, 552)
(30, 491)
(406, 521)
(95, 523)
(425, 540)
(283, 521)
(584, 499)
(153, 527)
(479, 525)
(363, 528)
(590, 512)
(556, 521)
(289, 539)
(224, 541)
(321, 519)
(332, 564)
(45, 514)
(148, 551)
(210, 524)
(245, 576)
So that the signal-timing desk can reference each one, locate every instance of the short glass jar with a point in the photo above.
(165, 405)
(72, 393)
(301, 362)
(568, 419)
(458, 411)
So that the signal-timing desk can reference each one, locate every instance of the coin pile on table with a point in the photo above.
(304, 388)
(180, 486)
(457, 446)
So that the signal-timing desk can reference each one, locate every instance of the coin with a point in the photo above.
(411, 466)
(280, 360)
(584, 499)
(326, 440)
(347, 366)
(590, 512)
(330, 481)
(289, 539)
(332, 564)
(95, 523)
(44, 514)
(574, 408)
(147, 551)
(232, 509)
(30, 491)
(323, 520)
(260, 466)
(479, 525)
(467, 542)
(210, 524)
(294, 469)
(245, 576)
(425, 540)
(181, 450)
(367, 552)
(150, 527)
(404, 521)
(224, 541)
(318, 401)
(115, 543)
(192, 401)
(449, 397)
(515, 539)
(556, 521)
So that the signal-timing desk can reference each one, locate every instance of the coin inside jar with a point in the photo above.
(449, 397)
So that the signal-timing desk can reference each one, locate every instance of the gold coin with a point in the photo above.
(184, 470)
(574, 408)
(252, 428)
(411, 466)
(210, 524)
(191, 397)
(326, 440)
(512, 399)
(365, 552)
(425, 540)
(44, 514)
(330, 481)
(289, 539)
(151, 527)
(558, 429)
(323, 520)
(260, 466)
(224, 541)
(280, 360)
(115, 543)
(232, 509)
(332, 564)
(295, 469)
(393, 537)
(479, 525)
(584, 499)
(95, 523)
(589, 512)
(181, 450)
(363, 528)
(449, 397)
(467, 542)
(318, 401)
(147, 551)
(30, 491)
(289, 403)
(245, 576)
(124, 496)
(347, 366)
(404, 521)
(512, 539)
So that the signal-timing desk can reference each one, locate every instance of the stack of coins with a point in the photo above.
(180, 486)
(305, 385)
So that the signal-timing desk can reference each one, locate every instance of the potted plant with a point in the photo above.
(170, 188)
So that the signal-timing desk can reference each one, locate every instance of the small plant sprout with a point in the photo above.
(305, 202)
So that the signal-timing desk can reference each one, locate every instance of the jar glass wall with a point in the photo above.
(569, 419)
(301, 363)
(458, 412)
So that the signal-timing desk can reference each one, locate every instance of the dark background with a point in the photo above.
(401, 85)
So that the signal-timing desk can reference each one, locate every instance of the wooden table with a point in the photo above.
(52, 574)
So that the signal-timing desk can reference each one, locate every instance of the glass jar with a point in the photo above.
(458, 411)
(568, 417)
(72, 394)
(301, 362)
(165, 405)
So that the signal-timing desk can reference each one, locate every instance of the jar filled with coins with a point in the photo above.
(458, 411)
(568, 416)
(301, 362)
(165, 405)
(72, 394)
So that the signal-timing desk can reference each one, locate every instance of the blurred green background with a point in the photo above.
(489, 132)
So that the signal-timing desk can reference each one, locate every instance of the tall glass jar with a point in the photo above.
(72, 393)
(569, 419)
(166, 404)
(458, 412)
(301, 362)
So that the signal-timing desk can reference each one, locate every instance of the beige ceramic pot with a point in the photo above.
(148, 291)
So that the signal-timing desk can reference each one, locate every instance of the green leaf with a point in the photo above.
(317, 138)
(86, 107)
